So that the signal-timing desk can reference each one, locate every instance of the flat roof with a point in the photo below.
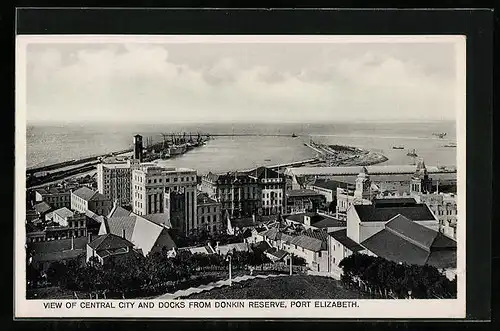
(355, 170)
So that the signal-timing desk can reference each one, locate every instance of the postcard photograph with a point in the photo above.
(240, 176)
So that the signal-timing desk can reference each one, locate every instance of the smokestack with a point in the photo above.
(73, 242)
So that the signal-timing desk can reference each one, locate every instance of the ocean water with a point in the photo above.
(48, 144)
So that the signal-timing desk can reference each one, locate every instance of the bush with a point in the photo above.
(388, 278)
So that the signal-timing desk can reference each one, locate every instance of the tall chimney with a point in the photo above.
(73, 242)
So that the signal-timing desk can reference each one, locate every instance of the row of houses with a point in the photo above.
(399, 230)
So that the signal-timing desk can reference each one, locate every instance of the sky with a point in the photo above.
(239, 82)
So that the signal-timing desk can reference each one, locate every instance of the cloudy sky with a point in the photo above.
(226, 82)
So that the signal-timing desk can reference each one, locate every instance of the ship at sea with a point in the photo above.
(294, 135)
(412, 153)
(452, 145)
(398, 147)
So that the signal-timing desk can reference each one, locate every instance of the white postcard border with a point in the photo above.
(366, 308)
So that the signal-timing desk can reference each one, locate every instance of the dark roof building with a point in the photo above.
(408, 242)
(344, 240)
(302, 193)
(85, 193)
(42, 207)
(383, 212)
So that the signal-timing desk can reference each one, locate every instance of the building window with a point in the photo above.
(175, 179)
(319, 254)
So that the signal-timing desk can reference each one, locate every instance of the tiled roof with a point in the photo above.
(85, 193)
(64, 212)
(117, 225)
(371, 213)
(309, 243)
(160, 219)
(212, 177)
(285, 237)
(118, 211)
(329, 222)
(320, 235)
(413, 244)
(109, 241)
(302, 193)
(90, 214)
(98, 196)
(42, 207)
(344, 240)
(271, 233)
(203, 198)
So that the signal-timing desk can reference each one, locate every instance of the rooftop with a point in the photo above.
(159, 218)
(371, 213)
(329, 222)
(55, 246)
(263, 172)
(87, 194)
(109, 241)
(405, 241)
(394, 202)
(332, 184)
(64, 212)
(344, 240)
(42, 207)
(203, 198)
(309, 243)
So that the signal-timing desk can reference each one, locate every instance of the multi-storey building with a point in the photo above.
(209, 213)
(85, 199)
(272, 188)
(238, 193)
(56, 197)
(170, 191)
(114, 180)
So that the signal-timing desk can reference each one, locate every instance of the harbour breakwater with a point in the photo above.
(339, 155)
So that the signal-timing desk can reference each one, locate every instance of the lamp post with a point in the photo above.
(228, 258)
(291, 256)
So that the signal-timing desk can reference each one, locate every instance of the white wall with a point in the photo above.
(353, 223)
(368, 229)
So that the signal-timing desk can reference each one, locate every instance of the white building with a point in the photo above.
(170, 191)
(114, 180)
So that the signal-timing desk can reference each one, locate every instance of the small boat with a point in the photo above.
(452, 145)
(294, 135)
(412, 153)
(398, 147)
(267, 160)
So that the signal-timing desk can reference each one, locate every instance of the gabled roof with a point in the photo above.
(85, 193)
(159, 218)
(344, 240)
(117, 225)
(272, 233)
(371, 213)
(320, 235)
(109, 241)
(418, 234)
(309, 243)
(412, 243)
(42, 207)
(203, 198)
(118, 211)
(64, 212)
(164, 241)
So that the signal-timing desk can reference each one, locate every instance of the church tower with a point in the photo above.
(363, 185)
(420, 182)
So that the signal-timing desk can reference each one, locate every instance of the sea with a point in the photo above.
(52, 143)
